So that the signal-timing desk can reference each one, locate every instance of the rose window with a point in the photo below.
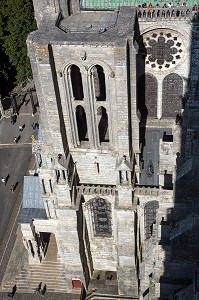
(161, 49)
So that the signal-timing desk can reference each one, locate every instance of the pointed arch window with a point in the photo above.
(147, 95)
(101, 214)
(99, 83)
(172, 95)
(81, 123)
(102, 118)
(76, 81)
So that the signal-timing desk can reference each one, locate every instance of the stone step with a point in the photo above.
(30, 284)
(55, 276)
(50, 273)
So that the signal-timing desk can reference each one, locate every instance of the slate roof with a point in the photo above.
(32, 203)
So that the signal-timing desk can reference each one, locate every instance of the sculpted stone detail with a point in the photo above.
(162, 49)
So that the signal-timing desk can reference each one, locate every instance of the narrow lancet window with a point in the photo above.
(76, 80)
(81, 123)
(99, 83)
(102, 119)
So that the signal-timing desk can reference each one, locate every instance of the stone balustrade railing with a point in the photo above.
(173, 13)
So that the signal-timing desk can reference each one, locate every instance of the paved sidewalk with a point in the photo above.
(48, 296)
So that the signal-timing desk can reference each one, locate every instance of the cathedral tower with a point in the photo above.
(84, 67)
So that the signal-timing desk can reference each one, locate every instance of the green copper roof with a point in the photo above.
(115, 4)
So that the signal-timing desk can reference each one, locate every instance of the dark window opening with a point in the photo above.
(102, 118)
(51, 187)
(64, 174)
(150, 217)
(43, 185)
(99, 83)
(76, 80)
(44, 238)
(81, 123)
(97, 164)
(167, 137)
(57, 175)
(168, 181)
(69, 8)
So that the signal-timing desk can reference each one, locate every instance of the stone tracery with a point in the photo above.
(162, 49)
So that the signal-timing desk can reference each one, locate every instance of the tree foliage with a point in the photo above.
(16, 22)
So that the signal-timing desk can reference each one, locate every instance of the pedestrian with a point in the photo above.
(43, 291)
(6, 179)
(37, 125)
(14, 289)
(20, 128)
(3, 180)
(12, 188)
(38, 289)
(16, 139)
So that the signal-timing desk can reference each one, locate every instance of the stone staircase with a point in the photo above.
(50, 271)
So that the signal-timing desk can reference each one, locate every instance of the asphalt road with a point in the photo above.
(14, 159)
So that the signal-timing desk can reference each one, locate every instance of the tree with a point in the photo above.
(16, 22)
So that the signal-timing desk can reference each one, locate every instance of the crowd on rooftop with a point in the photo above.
(148, 10)
(169, 5)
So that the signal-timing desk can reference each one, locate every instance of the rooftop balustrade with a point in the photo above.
(173, 13)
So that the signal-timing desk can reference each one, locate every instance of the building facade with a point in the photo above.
(113, 85)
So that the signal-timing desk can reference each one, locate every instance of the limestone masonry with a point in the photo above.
(117, 152)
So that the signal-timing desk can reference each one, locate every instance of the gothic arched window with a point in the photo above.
(76, 81)
(101, 215)
(147, 95)
(150, 217)
(81, 123)
(172, 95)
(102, 119)
(99, 83)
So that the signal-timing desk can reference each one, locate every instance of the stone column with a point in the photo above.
(109, 97)
(132, 86)
(159, 98)
(87, 101)
(92, 109)
(69, 96)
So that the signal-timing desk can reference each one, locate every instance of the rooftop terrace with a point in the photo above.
(116, 4)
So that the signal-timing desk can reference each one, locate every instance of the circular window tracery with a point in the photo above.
(161, 49)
